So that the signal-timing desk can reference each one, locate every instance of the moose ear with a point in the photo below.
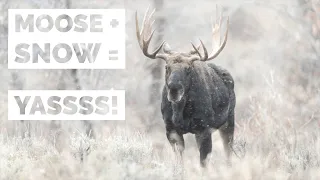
(167, 48)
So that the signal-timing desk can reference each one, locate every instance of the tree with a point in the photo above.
(157, 65)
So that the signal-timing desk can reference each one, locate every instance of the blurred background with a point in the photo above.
(273, 54)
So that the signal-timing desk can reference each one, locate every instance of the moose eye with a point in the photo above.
(188, 70)
(167, 68)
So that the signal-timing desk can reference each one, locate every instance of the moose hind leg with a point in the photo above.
(227, 135)
(204, 142)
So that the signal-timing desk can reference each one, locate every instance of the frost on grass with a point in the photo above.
(130, 155)
(119, 156)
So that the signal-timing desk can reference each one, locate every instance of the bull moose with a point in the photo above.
(198, 97)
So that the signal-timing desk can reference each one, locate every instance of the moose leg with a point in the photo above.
(176, 140)
(226, 132)
(204, 143)
(177, 143)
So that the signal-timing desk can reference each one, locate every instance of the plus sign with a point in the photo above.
(114, 23)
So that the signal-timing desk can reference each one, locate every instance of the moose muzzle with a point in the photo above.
(175, 91)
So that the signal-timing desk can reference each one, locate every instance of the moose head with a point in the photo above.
(179, 65)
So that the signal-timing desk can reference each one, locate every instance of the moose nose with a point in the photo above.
(174, 86)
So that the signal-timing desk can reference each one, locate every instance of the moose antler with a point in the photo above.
(194, 51)
(145, 35)
(216, 39)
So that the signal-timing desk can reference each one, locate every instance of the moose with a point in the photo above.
(198, 97)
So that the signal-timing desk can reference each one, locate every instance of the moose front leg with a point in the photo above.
(177, 142)
(204, 143)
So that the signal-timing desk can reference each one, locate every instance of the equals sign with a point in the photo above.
(113, 54)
